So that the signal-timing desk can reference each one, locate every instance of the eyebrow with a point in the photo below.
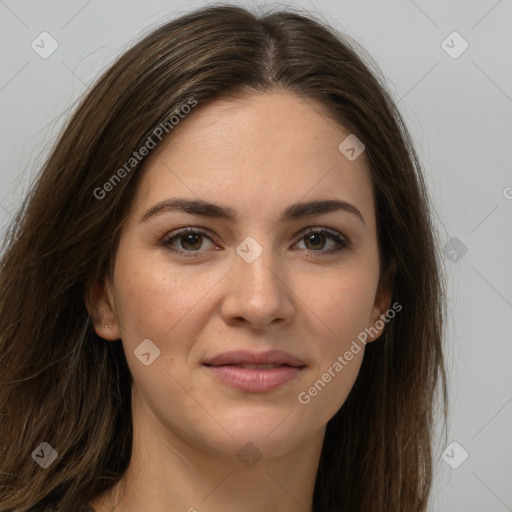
(217, 211)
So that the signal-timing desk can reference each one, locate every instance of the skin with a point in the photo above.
(257, 155)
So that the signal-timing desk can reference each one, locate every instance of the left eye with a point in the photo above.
(316, 237)
(191, 240)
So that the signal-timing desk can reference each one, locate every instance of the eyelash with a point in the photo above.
(339, 239)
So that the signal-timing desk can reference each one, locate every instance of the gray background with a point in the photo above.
(459, 112)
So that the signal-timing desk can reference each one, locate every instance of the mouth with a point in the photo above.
(246, 358)
(269, 366)
(255, 372)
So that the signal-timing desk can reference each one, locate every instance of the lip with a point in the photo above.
(254, 380)
(247, 357)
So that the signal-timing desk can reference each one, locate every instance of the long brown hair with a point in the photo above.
(62, 384)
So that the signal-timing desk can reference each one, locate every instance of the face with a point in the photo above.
(305, 283)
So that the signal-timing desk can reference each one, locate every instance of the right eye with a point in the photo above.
(191, 237)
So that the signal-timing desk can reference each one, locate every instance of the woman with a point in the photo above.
(223, 290)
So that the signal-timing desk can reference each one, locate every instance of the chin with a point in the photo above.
(271, 434)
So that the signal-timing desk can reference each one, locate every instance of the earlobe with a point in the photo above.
(99, 304)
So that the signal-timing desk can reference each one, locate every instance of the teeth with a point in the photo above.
(259, 366)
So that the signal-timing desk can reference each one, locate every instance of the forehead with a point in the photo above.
(266, 149)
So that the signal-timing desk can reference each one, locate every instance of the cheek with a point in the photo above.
(342, 309)
(327, 391)
(154, 302)
(152, 296)
(167, 305)
(340, 302)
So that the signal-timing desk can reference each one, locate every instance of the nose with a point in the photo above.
(257, 294)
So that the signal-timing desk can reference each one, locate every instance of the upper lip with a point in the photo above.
(246, 357)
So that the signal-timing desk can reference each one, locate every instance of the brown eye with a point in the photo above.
(317, 239)
(187, 241)
(190, 241)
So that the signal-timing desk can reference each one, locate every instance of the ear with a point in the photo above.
(100, 305)
(382, 302)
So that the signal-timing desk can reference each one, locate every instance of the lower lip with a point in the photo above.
(254, 380)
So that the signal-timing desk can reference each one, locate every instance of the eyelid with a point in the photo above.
(183, 231)
(342, 241)
(336, 235)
